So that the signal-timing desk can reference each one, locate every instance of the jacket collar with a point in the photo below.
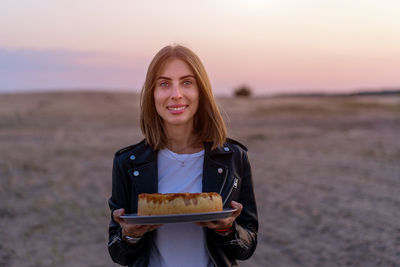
(143, 153)
(144, 160)
(225, 149)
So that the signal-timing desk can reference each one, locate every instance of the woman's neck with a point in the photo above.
(183, 141)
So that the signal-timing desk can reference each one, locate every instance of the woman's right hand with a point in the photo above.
(129, 229)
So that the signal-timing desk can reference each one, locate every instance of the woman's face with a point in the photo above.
(176, 94)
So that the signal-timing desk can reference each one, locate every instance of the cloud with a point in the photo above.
(32, 60)
(53, 69)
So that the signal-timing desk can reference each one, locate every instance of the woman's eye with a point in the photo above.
(164, 84)
(187, 82)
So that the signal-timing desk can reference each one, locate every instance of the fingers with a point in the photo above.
(153, 227)
(238, 207)
(224, 223)
(219, 224)
(135, 230)
(138, 229)
(117, 213)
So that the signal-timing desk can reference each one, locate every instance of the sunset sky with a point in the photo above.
(272, 46)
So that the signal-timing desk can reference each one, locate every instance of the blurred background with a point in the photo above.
(311, 88)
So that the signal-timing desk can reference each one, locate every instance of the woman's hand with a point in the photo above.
(224, 223)
(129, 229)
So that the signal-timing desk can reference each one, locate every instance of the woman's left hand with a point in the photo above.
(224, 223)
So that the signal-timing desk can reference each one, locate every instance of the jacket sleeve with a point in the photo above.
(242, 242)
(120, 251)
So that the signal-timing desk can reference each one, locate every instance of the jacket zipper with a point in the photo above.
(235, 184)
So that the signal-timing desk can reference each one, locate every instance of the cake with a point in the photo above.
(178, 203)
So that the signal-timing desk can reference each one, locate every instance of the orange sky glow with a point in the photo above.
(272, 46)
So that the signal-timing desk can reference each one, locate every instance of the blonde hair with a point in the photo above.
(208, 123)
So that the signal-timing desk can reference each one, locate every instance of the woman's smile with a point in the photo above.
(177, 109)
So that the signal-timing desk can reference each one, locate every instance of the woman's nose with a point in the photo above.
(176, 92)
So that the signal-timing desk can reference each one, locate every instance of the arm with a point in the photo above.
(241, 241)
(120, 251)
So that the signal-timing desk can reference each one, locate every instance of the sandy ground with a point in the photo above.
(326, 173)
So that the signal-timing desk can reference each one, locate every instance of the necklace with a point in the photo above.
(181, 161)
(182, 149)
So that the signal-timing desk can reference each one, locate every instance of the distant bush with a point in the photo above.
(242, 91)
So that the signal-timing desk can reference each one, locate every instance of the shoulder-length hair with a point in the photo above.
(208, 123)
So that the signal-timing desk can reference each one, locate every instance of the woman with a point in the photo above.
(185, 150)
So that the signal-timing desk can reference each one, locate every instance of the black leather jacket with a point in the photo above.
(135, 171)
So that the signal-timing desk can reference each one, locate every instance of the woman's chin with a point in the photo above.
(178, 122)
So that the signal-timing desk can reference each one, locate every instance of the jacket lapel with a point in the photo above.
(144, 171)
(215, 173)
(145, 178)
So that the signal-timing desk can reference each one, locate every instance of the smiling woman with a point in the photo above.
(185, 150)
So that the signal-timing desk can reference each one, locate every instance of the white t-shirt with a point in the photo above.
(179, 244)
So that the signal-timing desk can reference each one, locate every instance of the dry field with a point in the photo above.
(326, 173)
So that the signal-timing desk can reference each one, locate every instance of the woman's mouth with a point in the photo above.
(177, 108)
